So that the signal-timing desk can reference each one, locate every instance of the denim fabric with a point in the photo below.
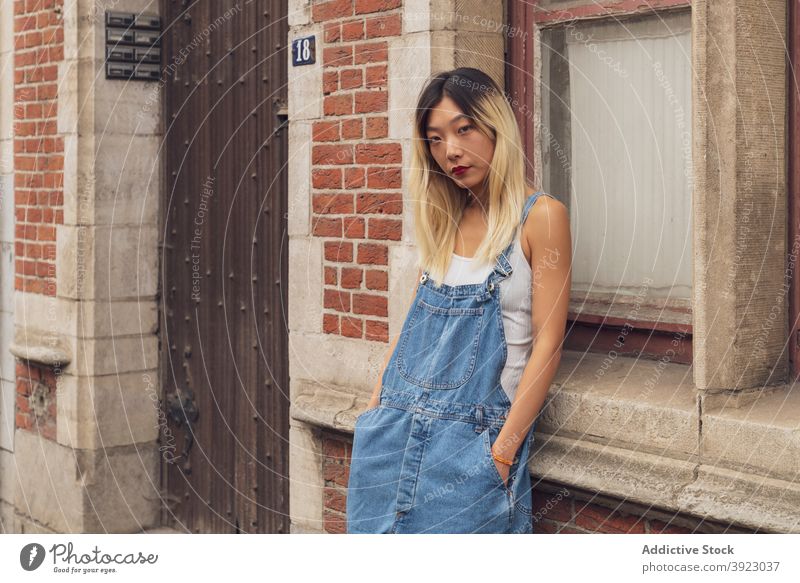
(421, 460)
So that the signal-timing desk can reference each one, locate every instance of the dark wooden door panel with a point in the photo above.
(223, 267)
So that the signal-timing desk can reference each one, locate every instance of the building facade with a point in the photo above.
(201, 273)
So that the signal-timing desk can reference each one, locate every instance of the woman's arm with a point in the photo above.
(376, 392)
(548, 235)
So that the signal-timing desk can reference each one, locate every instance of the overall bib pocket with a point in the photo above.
(456, 332)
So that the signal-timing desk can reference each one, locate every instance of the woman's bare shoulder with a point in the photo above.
(547, 224)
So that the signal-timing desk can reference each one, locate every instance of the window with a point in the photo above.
(613, 98)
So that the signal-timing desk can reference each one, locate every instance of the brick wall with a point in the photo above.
(36, 399)
(335, 473)
(556, 509)
(356, 172)
(38, 150)
(38, 186)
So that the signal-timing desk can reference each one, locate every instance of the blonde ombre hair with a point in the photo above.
(438, 201)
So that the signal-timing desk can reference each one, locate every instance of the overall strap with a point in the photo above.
(503, 267)
(528, 204)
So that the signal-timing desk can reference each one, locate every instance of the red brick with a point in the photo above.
(33, 110)
(370, 304)
(50, 73)
(338, 56)
(373, 253)
(329, 276)
(326, 227)
(24, 162)
(376, 76)
(371, 53)
(378, 331)
(333, 32)
(23, 387)
(352, 277)
(351, 79)
(334, 523)
(385, 229)
(378, 154)
(44, 233)
(324, 154)
(545, 527)
(23, 404)
(331, 10)
(30, 250)
(336, 473)
(380, 26)
(24, 94)
(325, 131)
(22, 421)
(379, 203)
(338, 104)
(377, 127)
(44, 269)
(24, 128)
(354, 177)
(352, 129)
(354, 227)
(333, 299)
(597, 519)
(560, 508)
(353, 30)
(371, 102)
(334, 499)
(326, 178)
(23, 23)
(367, 6)
(384, 178)
(330, 323)
(332, 204)
(339, 251)
(377, 280)
(330, 82)
(46, 127)
(25, 267)
(352, 327)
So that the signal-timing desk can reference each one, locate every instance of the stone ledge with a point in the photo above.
(327, 408)
(39, 346)
(639, 430)
(702, 490)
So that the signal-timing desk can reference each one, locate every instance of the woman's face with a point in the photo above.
(454, 140)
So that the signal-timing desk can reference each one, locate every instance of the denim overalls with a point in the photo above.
(421, 460)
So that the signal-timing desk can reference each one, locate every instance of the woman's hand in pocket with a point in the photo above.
(503, 470)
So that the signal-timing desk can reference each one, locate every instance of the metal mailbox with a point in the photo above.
(133, 46)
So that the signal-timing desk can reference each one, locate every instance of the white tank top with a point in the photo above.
(515, 302)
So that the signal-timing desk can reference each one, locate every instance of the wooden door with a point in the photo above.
(223, 272)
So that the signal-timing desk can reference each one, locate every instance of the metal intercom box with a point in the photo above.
(133, 46)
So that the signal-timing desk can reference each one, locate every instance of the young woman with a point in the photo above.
(443, 445)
